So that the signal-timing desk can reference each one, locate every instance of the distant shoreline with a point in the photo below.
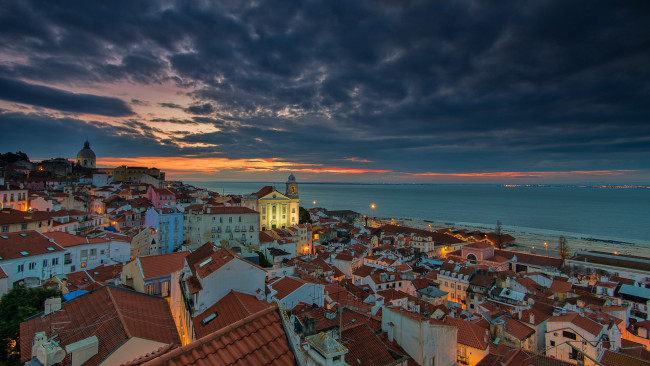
(533, 241)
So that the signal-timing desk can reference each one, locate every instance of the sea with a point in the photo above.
(617, 214)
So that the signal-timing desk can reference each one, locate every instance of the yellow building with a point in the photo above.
(134, 173)
(277, 210)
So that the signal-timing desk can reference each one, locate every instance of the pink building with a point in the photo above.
(161, 197)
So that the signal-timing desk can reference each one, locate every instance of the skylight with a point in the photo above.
(209, 318)
(50, 249)
(205, 262)
(24, 253)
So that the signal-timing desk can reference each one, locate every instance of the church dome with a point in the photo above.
(292, 178)
(86, 157)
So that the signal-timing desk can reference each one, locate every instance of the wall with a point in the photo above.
(428, 344)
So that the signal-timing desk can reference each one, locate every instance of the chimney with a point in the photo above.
(532, 318)
(81, 351)
(51, 305)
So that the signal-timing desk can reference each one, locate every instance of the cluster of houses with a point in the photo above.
(163, 273)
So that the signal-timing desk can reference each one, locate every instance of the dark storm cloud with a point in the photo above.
(418, 85)
(43, 96)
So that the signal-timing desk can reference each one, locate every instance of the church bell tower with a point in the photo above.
(292, 186)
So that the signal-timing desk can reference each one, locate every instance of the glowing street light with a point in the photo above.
(314, 203)
(546, 245)
(372, 206)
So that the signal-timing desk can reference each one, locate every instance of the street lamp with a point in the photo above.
(314, 203)
(546, 245)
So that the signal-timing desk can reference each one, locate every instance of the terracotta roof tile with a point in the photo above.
(162, 264)
(518, 329)
(611, 358)
(69, 240)
(258, 339)
(13, 245)
(113, 314)
(365, 348)
(580, 321)
(232, 308)
(469, 334)
(286, 285)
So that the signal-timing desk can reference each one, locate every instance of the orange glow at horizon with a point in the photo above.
(342, 170)
(201, 165)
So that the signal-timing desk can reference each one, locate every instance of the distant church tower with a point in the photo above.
(292, 187)
(86, 157)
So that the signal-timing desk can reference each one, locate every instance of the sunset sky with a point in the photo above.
(347, 91)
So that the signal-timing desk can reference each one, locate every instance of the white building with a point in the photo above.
(87, 253)
(29, 257)
(229, 226)
(428, 341)
(289, 291)
(571, 336)
(208, 275)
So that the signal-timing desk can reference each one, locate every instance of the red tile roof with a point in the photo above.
(326, 319)
(111, 313)
(518, 329)
(162, 264)
(264, 191)
(611, 358)
(580, 321)
(286, 285)
(258, 339)
(10, 216)
(232, 308)
(470, 334)
(31, 242)
(106, 272)
(365, 348)
(69, 240)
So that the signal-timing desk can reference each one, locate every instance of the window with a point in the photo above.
(165, 288)
(72, 268)
(55, 261)
(83, 264)
(93, 253)
(569, 335)
(552, 343)
(239, 218)
(23, 227)
(5, 229)
(149, 288)
(252, 228)
(230, 219)
(84, 253)
(20, 268)
(44, 262)
(32, 266)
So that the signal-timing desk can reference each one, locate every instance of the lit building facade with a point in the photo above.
(277, 210)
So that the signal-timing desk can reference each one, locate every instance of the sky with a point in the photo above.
(344, 91)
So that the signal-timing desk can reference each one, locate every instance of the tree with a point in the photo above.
(10, 158)
(263, 261)
(563, 249)
(499, 235)
(303, 216)
(16, 306)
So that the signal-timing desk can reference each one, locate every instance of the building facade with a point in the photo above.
(277, 210)
(228, 226)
